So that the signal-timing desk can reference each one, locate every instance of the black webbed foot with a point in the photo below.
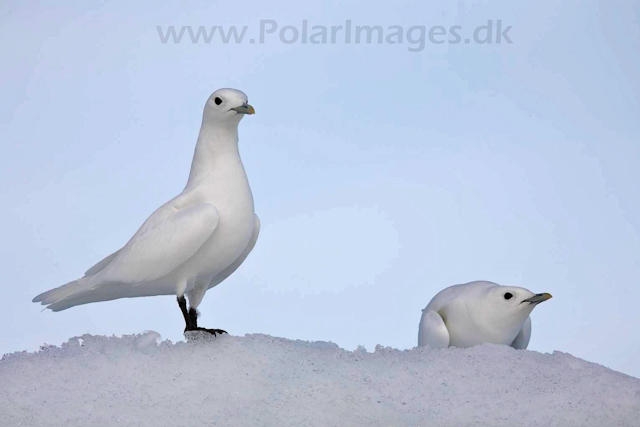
(191, 319)
(213, 332)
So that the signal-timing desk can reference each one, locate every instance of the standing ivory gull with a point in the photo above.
(195, 240)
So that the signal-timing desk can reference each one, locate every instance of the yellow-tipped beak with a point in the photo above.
(245, 109)
(538, 298)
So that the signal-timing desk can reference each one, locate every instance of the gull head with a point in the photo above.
(227, 107)
(504, 309)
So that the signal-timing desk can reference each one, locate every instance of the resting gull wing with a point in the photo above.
(433, 331)
(522, 339)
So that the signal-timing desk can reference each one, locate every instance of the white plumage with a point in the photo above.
(479, 312)
(194, 241)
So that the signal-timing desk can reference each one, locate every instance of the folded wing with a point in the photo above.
(165, 241)
(159, 248)
(433, 331)
(522, 339)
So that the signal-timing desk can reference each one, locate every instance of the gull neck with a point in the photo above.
(216, 144)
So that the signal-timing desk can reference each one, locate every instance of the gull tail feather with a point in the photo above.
(63, 292)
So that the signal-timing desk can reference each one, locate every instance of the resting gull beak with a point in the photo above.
(538, 298)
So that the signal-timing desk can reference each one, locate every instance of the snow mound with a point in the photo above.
(258, 380)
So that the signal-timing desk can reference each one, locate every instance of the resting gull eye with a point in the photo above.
(508, 295)
(218, 101)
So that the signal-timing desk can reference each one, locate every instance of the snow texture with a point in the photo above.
(258, 380)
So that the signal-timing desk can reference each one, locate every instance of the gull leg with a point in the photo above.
(191, 319)
(182, 303)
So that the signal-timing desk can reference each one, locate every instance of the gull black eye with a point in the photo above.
(508, 295)
(218, 101)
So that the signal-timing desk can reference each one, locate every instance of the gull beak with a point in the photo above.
(245, 109)
(538, 298)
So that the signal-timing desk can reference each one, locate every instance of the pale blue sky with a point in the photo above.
(381, 176)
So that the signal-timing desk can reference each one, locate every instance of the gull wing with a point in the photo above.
(164, 242)
(102, 264)
(433, 332)
(522, 339)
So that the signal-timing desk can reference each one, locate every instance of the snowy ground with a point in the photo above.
(259, 380)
